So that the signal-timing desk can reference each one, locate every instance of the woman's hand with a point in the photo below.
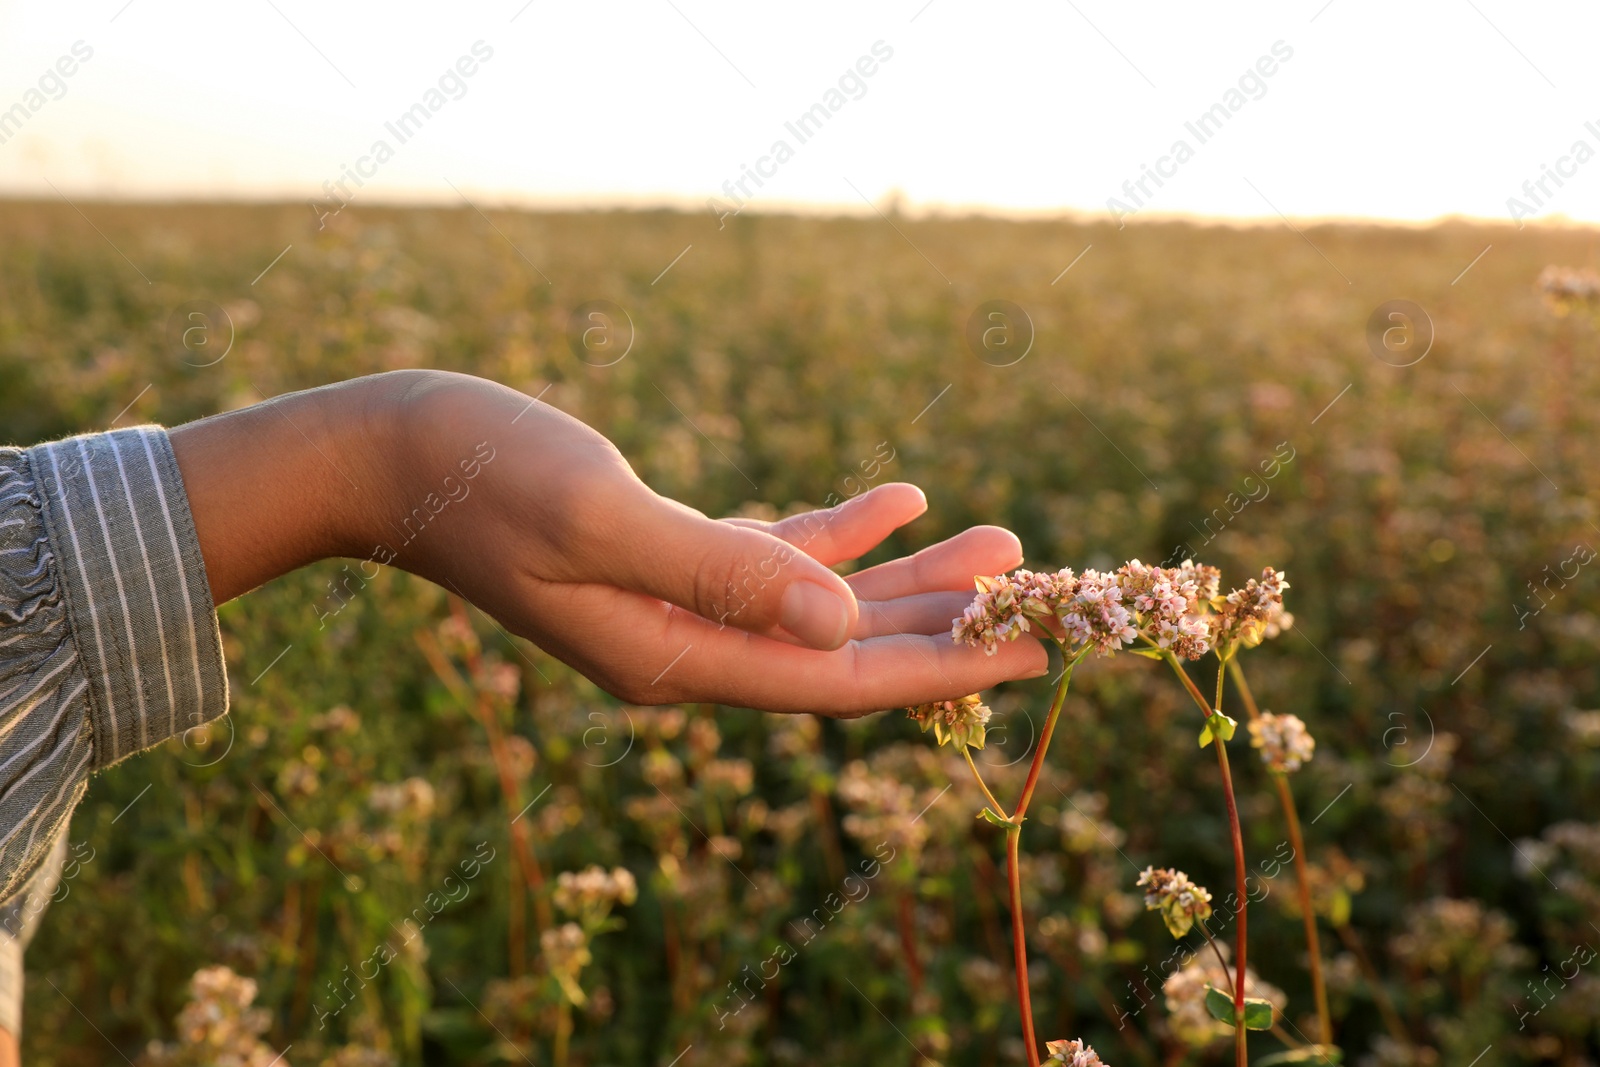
(538, 520)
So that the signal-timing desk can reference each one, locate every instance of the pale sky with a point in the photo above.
(1382, 109)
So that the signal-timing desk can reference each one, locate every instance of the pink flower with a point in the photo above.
(1097, 614)
(1170, 601)
(1252, 614)
(1175, 608)
(995, 615)
(1072, 1053)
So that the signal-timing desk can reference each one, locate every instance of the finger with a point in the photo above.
(743, 670)
(730, 574)
(849, 530)
(922, 613)
(948, 565)
(659, 655)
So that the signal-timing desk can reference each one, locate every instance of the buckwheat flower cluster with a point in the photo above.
(1285, 743)
(1010, 605)
(1096, 615)
(1041, 593)
(1207, 579)
(1179, 900)
(1103, 610)
(217, 1026)
(594, 891)
(1246, 615)
(1168, 601)
(883, 809)
(959, 722)
(1072, 1053)
(994, 615)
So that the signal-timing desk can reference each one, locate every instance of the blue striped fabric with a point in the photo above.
(108, 636)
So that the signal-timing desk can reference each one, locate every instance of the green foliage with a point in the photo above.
(1257, 1012)
(1217, 725)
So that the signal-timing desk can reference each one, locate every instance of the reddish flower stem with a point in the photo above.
(1045, 735)
(1019, 937)
(1019, 944)
(1241, 1057)
(908, 944)
(1319, 988)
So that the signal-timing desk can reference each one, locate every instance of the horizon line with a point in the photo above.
(896, 206)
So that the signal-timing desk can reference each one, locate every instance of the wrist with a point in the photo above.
(415, 434)
(368, 422)
(281, 484)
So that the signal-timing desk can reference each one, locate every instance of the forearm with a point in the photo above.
(539, 521)
(279, 485)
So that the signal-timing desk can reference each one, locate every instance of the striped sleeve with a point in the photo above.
(134, 586)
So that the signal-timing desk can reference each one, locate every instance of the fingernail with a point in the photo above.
(815, 615)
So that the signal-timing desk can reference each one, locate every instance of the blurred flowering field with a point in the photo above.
(417, 841)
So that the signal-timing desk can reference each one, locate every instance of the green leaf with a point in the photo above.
(988, 815)
(1219, 1004)
(1257, 1014)
(1147, 653)
(1318, 1054)
(1217, 724)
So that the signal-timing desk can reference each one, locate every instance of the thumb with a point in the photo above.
(736, 576)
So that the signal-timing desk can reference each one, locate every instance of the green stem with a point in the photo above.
(999, 809)
(1047, 732)
(1188, 683)
(1221, 680)
(1236, 672)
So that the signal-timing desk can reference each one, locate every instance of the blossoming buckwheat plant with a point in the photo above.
(1171, 614)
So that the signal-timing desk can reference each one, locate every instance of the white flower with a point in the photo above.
(1284, 742)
